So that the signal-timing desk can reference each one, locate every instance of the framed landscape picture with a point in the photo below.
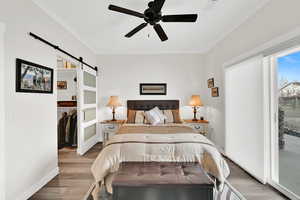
(153, 89)
(33, 78)
(211, 83)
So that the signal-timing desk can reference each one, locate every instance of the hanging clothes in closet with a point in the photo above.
(67, 129)
(71, 129)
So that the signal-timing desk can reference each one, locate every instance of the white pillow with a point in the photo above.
(155, 116)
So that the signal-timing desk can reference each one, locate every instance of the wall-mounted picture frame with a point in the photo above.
(215, 92)
(211, 83)
(33, 78)
(153, 89)
(62, 85)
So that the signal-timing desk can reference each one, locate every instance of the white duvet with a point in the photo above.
(157, 148)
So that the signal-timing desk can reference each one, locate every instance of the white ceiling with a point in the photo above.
(103, 30)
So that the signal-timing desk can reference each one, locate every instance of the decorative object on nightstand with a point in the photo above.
(201, 126)
(110, 128)
(196, 103)
(114, 103)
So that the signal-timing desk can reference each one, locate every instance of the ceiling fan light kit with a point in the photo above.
(153, 16)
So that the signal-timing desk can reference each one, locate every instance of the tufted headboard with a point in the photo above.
(149, 104)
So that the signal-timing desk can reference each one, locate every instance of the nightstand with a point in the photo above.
(109, 128)
(201, 126)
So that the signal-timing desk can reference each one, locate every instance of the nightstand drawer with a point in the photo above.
(199, 126)
(110, 127)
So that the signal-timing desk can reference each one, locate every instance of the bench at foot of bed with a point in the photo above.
(161, 181)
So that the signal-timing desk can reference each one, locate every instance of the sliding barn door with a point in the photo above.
(87, 120)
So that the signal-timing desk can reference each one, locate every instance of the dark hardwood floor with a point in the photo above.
(75, 179)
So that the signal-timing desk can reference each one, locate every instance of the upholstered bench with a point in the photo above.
(161, 181)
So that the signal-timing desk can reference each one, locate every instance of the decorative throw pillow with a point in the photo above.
(176, 116)
(131, 116)
(139, 117)
(169, 116)
(172, 116)
(155, 116)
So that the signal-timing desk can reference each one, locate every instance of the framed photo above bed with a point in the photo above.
(153, 89)
(33, 78)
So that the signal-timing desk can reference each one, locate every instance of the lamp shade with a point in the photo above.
(196, 101)
(114, 102)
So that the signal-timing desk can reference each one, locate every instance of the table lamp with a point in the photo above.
(114, 103)
(195, 102)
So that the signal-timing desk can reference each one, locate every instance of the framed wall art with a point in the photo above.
(211, 83)
(215, 92)
(33, 78)
(153, 89)
(62, 85)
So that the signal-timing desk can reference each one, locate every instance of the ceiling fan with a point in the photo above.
(153, 16)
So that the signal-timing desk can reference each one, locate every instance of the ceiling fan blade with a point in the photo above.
(137, 29)
(180, 18)
(160, 32)
(158, 4)
(125, 11)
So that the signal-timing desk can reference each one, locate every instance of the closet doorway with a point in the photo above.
(76, 106)
(67, 111)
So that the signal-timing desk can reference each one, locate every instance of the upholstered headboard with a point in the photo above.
(149, 104)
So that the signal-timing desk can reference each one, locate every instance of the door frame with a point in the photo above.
(274, 104)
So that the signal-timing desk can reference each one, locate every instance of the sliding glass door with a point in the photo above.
(286, 126)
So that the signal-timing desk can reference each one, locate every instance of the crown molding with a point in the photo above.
(61, 22)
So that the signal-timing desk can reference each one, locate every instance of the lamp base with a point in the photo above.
(195, 114)
(113, 113)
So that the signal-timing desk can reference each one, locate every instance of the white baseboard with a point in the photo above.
(36, 187)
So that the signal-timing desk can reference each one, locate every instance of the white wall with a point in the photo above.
(66, 94)
(30, 128)
(2, 110)
(122, 74)
(276, 18)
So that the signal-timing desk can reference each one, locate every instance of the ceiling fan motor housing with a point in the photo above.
(151, 16)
